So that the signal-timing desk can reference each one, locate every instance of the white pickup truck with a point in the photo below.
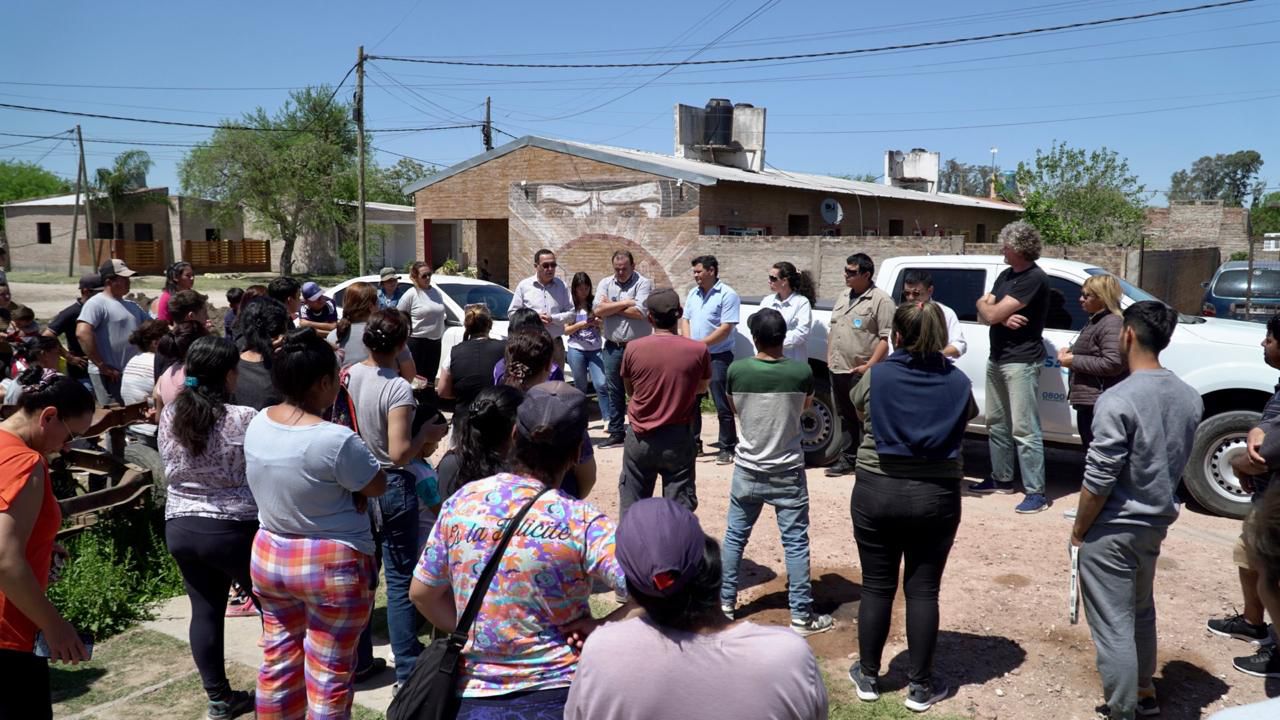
(1221, 359)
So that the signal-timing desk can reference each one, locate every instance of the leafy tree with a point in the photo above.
(1077, 196)
(23, 180)
(963, 178)
(383, 184)
(1229, 178)
(121, 184)
(286, 169)
(1265, 215)
(862, 177)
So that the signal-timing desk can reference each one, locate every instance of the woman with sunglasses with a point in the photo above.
(425, 307)
(51, 413)
(1094, 359)
(793, 296)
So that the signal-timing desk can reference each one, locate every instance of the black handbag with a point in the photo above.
(431, 692)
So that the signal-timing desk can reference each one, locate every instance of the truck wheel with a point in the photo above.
(821, 432)
(148, 458)
(1209, 477)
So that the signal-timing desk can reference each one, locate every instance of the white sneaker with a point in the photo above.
(814, 625)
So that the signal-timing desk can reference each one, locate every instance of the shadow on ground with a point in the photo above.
(955, 660)
(1185, 689)
(66, 683)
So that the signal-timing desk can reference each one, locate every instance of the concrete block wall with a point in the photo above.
(1199, 224)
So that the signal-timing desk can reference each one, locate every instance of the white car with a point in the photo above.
(458, 292)
(1221, 359)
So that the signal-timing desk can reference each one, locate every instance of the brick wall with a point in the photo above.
(26, 253)
(1199, 224)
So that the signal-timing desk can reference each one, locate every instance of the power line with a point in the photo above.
(410, 157)
(396, 27)
(38, 138)
(832, 53)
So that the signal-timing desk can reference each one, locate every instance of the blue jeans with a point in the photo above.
(1013, 420)
(728, 437)
(399, 546)
(611, 356)
(788, 493)
(582, 362)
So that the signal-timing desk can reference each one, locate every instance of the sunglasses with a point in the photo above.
(550, 266)
(774, 278)
(911, 293)
(851, 273)
(1087, 296)
(425, 275)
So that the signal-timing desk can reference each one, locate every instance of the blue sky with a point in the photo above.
(1170, 90)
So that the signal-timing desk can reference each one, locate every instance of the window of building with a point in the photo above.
(142, 232)
(211, 234)
(749, 231)
(104, 231)
(797, 224)
(982, 233)
(895, 227)
(44, 233)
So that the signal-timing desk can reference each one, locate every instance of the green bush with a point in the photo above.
(1239, 255)
(107, 585)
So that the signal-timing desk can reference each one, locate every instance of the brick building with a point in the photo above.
(584, 201)
(1198, 223)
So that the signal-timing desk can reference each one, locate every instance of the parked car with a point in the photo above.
(1225, 294)
(1222, 359)
(458, 292)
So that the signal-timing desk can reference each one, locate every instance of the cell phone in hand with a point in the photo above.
(41, 648)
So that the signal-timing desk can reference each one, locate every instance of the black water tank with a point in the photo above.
(719, 122)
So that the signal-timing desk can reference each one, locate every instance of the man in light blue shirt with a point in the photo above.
(710, 314)
(545, 293)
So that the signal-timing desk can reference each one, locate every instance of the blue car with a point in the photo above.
(1224, 295)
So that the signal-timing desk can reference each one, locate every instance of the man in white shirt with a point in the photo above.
(917, 286)
(546, 293)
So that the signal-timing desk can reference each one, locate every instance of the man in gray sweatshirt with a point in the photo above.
(1143, 429)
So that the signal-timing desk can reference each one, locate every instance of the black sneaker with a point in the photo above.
(613, 441)
(1265, 663)
(375, 667)
(922, 696)
(840, 468)
(1240, 629)
(868, 688)
(235, 704)
(724, 457)
(1148, 705)
(991, 485)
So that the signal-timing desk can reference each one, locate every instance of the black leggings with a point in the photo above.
(211, 553)
(896, 519)
(426, 356)
(1084, 421)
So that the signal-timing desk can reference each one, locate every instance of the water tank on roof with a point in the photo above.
(719, 121)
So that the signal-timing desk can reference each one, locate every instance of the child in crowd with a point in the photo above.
(426, 482)
(234, 296)
(23, 324)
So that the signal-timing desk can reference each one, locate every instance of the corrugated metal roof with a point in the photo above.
(379, 206)
(69, 199)
(703, 173)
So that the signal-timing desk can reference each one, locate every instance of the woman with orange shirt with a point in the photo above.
(51, 412)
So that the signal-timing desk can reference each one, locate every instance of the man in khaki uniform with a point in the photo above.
(858, 338)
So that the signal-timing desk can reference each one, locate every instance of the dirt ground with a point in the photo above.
(1005, 641)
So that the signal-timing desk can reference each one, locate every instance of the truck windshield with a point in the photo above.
(1137, 294)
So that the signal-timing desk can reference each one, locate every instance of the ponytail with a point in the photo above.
(201, 404)
(921, 327)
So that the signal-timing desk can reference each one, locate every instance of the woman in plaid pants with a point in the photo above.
(313, 561)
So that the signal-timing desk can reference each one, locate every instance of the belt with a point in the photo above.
(616, 344)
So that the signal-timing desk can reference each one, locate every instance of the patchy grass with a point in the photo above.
(844, 704)
(120, 666)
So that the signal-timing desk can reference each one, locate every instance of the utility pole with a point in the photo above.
(487, 130)
(75, 213)
(88, 205)
(360, 235)
(994, 150)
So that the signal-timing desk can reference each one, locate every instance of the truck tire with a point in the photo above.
(148, 458)
(822, 435)
(1209, 477)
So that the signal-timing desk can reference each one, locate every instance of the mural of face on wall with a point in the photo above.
(650, 218)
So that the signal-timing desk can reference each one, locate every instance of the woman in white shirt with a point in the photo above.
(426, 313)
(793, 296)
(139, 376)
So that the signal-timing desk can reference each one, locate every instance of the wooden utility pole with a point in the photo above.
(75, 213)
(88, 204)
(488, 125)
(360, 235)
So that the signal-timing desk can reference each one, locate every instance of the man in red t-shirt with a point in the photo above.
(663, 374)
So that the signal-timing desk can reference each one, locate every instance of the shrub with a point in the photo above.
(1239, 255)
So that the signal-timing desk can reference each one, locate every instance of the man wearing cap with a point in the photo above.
(697, 663)
(769, 393)
(389, 291)
(620, 300)
(664, 374)
(318, 311)
(64, 325)
(103, 328)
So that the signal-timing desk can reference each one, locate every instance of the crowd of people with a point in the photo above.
(298, 444)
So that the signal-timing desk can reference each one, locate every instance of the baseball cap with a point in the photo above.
(388, 273)
(115, 268)
(663, 301)
(92, 281)
(659, 545)
(553, 412)
(311, 291)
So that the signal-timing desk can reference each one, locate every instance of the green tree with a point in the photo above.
(23, 180)
(122, 185)
(383, 184)
(1075, 196)
(287, 168)
(862, 177)
(1230, 178)
(1265, 215)
(963, 178)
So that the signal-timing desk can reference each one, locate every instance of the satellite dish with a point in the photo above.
(831, 211)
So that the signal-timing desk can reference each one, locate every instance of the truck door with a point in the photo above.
(1064, 322)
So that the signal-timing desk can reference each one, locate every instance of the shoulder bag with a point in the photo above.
(431, 692)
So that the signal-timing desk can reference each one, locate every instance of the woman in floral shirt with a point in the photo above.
(523, 650)
(210, 514)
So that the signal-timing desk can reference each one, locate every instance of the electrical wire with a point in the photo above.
(37, 138)
(396, 27)
(833, 53)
